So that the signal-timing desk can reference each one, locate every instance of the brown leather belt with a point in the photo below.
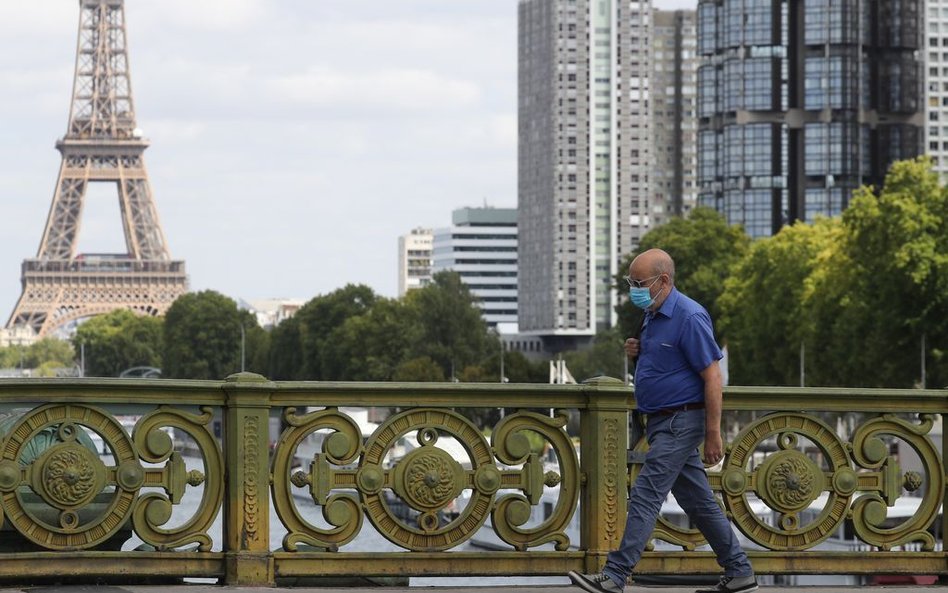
(684, 408)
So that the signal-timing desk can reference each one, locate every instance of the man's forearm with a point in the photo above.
(713, 397)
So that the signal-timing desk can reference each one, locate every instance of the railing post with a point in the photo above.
(247, 502)
(604, 438)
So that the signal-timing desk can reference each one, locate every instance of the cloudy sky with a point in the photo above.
(293, 141)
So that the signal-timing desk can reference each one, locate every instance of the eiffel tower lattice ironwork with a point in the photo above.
(102, 145)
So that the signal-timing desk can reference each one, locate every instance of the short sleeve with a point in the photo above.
(697, 342)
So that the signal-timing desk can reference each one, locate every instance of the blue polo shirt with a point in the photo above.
(677, 343)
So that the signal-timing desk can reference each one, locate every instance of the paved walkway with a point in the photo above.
(514, 589)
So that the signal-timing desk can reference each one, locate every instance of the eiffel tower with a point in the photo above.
(102, 145)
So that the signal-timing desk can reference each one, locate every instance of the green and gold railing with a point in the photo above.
(231, 498)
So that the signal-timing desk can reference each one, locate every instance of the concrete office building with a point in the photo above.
(414, 260)
(936, 85)
(481, 246)
(673, 103)
(584, 160)
(801, 102)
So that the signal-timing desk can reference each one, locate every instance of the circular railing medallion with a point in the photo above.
(428, 478)
(68, 476)
(791, 481)
(788, 481)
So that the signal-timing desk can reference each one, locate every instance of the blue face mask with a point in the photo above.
(641, 297)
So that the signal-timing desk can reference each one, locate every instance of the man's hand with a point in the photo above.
(713, 448)
(632, 347)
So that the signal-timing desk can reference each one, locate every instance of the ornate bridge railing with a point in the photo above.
(251, 481)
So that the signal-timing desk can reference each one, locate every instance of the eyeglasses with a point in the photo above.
(641, 283)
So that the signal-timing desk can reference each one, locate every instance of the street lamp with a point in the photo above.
(243, 348)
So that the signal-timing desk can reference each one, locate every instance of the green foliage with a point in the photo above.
(886, 287)
(202, 338)
(12, 356)
(318, 319)
(286, 353)
(520, 369)
(764, 310)
(476, 373)
(605, 357)
(370, 346)
(117, 341)
(352, 334)
(48, 369)
(421, 369)
(450, 328)
(49, 351)
(704, 248)
(517, 369)
(860, 291)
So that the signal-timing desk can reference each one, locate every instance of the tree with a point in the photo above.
(704, 248)
(48, 351)
(604, 357)
(887, 286)
(421, 369)
(117, 341)
(11, 356)
(451, 330)
(286, 352)
(202, 337)
(370, 346)
(317, 320)
(520, 369)
(764, 310)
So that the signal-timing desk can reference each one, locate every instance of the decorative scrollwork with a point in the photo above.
(66, 476)
(512, 447)
(341, 447)
(869, 511)
(155, 509)
(438, 467)
(787, 481)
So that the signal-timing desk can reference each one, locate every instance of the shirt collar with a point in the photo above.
(668, 306)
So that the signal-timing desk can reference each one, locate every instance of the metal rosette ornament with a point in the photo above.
(44, 452)
(428, 479)
(788, 481)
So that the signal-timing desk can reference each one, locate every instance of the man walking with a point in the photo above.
(678, 386)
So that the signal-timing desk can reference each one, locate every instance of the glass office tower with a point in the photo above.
(800, 102)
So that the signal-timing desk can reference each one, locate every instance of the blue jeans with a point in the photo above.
(673, 465)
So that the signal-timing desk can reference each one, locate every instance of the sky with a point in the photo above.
(292, 141)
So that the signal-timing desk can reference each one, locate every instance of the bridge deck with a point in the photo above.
(489, 589)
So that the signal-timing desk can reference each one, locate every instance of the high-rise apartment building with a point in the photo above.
(414, 260)
(481, 246)
(936, 84)
(584, 159)
(673, 103)
(801, 102)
